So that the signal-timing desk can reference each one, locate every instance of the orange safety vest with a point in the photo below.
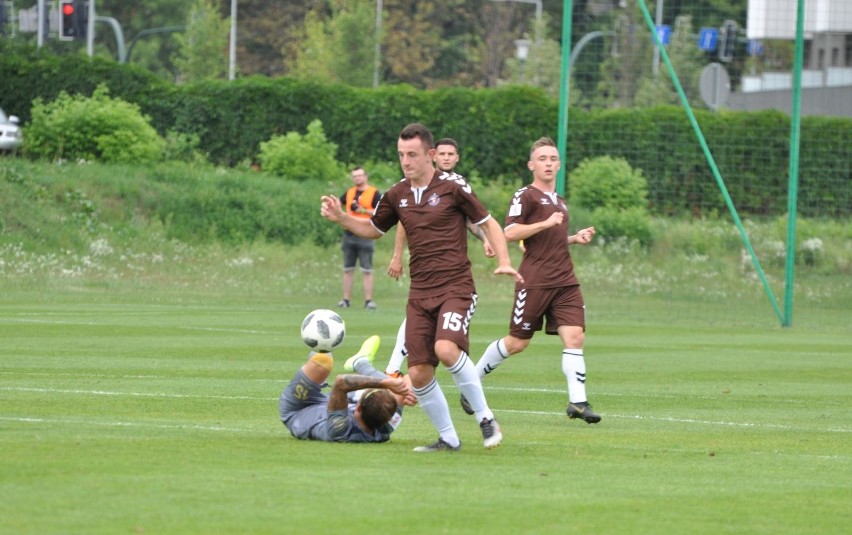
(365, 201)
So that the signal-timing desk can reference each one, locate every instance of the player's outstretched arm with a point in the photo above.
(582, 237)
(486, 245)
(399, 241)
(332, 210)
(501, 249)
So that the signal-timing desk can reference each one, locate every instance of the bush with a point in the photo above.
(632, 223)
(616, 195)
(181, 147)
(607, 182)
(92, 128)
(298, 157)
(232, 117)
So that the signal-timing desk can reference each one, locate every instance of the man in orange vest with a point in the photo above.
(360, 201)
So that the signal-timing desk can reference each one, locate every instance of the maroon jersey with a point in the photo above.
(547, 262)
(434, 221)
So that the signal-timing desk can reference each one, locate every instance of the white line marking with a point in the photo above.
(668, 419)
(692, 421)
(98, 324)
(133, 394)
(75, 422)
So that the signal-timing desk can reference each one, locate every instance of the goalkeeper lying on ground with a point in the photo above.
(365, 406)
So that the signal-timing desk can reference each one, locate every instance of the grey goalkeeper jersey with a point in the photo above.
(303, 408)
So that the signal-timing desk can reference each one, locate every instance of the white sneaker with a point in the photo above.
(491, 434)
(440, 445)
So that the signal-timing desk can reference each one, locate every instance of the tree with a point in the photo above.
(155, 51)
(622, 71)
(203, 46)
(412, 42)
(543, 67)
(496, 22)
(686, 59)
(460, 49)
(339, 48)
(269, 35)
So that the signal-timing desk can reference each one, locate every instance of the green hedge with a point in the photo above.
(494, 127)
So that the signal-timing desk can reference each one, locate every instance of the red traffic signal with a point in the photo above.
(73, 19)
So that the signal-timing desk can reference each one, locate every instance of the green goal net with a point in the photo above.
(738, 115)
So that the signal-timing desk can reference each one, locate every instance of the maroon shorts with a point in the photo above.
(560, 306)
(445, 317)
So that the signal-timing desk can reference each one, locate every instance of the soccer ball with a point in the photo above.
(323, 330)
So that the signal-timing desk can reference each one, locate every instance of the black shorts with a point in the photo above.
(357, 249)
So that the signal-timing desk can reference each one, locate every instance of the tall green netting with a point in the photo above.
(738, 115)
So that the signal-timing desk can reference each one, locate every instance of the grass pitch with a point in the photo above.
(128, 410)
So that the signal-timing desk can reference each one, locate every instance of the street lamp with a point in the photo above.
(522, 52)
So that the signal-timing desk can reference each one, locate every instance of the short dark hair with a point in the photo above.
(418, 130)
(447, 141)
(377, 407)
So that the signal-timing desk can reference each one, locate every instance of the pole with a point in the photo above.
(232, 55)
(658, 21)
(119, 36)
(377, 62)
(150, 31)
(575, 52)
(90, 29)
(538, 27)
(793, 187)
(40, 12)
(564, 89)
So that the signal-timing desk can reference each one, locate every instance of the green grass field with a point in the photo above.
(138, 407)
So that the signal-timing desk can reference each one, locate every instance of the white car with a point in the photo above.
(10, 133)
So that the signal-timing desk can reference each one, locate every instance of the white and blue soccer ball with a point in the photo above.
(323, 330)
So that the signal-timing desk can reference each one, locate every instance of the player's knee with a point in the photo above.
(447, 352)
(573, 337)
(421, 375)
(515, 345)
(323, 360)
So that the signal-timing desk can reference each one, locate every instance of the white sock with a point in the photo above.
(494, 356)
(574, 368)
(431, 399)
(399, 352)
(466, 378)
(365, 367)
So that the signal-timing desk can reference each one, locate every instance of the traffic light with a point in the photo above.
(727, 40)
(73, 19)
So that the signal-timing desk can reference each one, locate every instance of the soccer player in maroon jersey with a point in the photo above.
(550, 291)
(433, 206)
(446, 159)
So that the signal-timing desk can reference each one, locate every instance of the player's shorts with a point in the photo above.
(357, 249)
(559, 306)
(445, 317)
(303, 406)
